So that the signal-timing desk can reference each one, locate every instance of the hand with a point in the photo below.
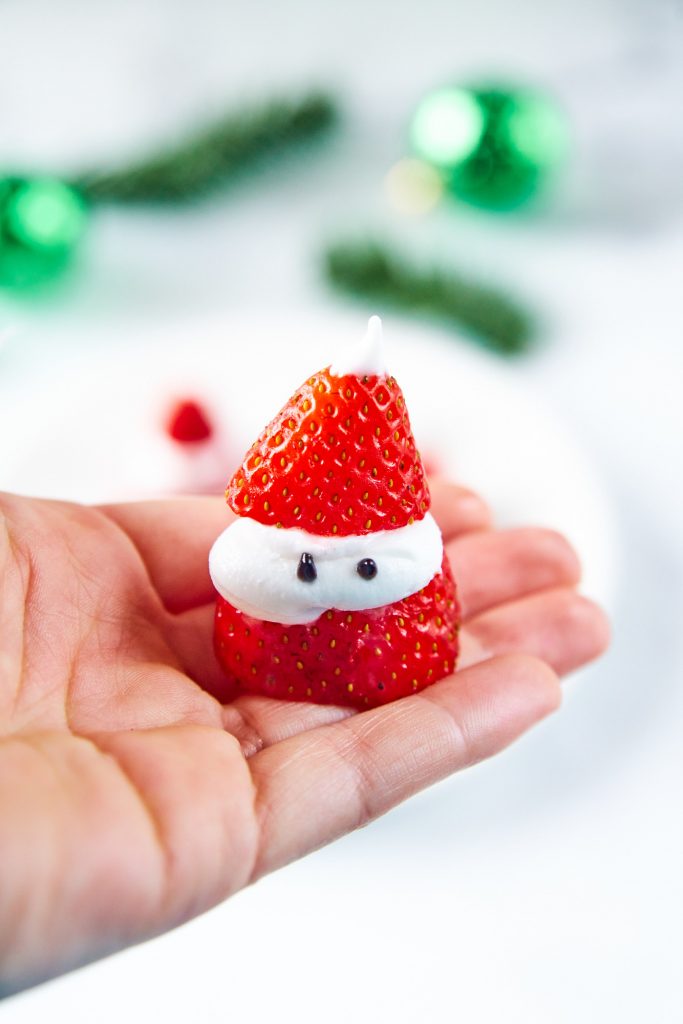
(131, 799)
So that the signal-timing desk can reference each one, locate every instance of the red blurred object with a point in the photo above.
(188, 423)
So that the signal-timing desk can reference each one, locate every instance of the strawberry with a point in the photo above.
(359, 659)
(338, 459)
(188, 423)
(338, 462)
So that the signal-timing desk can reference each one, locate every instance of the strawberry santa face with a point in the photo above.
(332, 580)
(292, 576)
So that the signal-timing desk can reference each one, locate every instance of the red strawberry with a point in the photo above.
(362, 659)
(188, 423)
(338, 459)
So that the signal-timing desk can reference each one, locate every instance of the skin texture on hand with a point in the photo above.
(132, 800)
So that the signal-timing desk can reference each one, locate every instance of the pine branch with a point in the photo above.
(369, 270)
(216, 155)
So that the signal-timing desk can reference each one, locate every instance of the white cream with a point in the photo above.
(254, 567)
(365, 357)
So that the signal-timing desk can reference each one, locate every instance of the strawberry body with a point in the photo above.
(361, 659)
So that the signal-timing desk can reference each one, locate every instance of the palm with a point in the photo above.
(131, 799)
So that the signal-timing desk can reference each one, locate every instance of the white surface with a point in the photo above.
(546, 885)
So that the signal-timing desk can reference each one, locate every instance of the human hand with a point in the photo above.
(131, 799)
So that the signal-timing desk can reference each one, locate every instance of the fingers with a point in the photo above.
(559, 626)
(516, 592)
(491, 568)
(315, 787)
(456, 509)
(258, 722)
(173, 537)
(190, 636)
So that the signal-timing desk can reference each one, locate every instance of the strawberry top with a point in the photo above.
(338, 459)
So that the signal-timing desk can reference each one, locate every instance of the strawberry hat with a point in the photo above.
(339, 458)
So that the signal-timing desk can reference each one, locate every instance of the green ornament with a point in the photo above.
(495, 147)
(41, 223)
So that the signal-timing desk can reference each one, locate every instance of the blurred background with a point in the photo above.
(200, 203)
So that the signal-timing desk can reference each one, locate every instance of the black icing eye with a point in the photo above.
(307, 571)
(367, 568)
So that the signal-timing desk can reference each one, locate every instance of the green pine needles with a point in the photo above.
(216, 155)
(370, 270)
(243, 141)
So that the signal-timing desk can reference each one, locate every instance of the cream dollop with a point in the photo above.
(365, 357)
(254, 567)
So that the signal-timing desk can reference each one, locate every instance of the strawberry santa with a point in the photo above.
(333, 583)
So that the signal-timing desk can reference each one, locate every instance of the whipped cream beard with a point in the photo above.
(292, 576)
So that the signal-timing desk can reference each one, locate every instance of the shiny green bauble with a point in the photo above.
(495, 147)
(42, 221)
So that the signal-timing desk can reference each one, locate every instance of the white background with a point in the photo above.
(545, 885)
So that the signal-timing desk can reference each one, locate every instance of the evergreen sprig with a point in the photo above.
(215, 155)
(371, 270)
